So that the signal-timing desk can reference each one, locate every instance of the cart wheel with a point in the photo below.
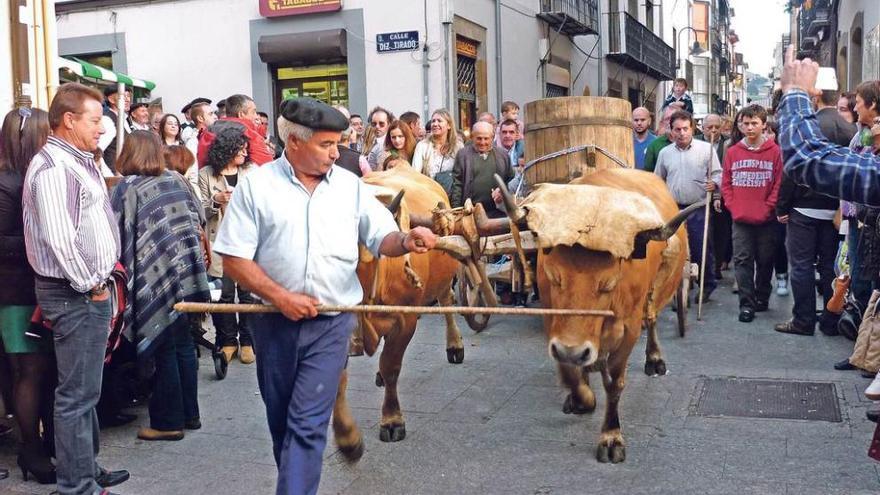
(220, 365)
(470, 295)
(681, 305)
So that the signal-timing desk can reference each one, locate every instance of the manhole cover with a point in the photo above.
(779, 399)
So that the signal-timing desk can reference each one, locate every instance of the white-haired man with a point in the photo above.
(290, 235)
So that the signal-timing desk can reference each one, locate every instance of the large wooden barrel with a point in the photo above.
(554, 124)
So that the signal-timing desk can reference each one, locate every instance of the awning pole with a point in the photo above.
(120, 117)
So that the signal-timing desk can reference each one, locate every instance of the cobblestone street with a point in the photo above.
(494, 424)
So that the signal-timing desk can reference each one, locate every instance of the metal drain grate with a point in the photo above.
(749, 398)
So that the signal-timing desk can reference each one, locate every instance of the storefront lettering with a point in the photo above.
(278, 8)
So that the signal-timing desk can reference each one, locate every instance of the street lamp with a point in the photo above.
(696, 49)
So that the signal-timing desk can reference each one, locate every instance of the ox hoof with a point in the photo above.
(455, 356)
(352, 453)
(392, 433)
(379, 381)
(655, 368)
(613, 451)
(573, 405)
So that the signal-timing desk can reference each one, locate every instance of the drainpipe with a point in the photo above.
(499, 79)
(425, 71)
(448, 77)
(600, 86)
(21, 73)
(50, 36)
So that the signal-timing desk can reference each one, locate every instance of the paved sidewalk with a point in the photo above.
(494, 424)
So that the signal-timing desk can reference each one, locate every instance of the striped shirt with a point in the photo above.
(812, 161)
(69, 228)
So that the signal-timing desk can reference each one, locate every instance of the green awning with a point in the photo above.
(92, 71)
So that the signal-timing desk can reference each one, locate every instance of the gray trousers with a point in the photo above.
(754, 254)
(80, 327)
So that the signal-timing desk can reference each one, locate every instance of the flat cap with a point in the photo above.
(194, 102)
(313, 114)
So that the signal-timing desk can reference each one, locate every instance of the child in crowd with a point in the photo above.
(679, 94)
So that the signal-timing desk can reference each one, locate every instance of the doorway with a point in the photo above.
(326, 83)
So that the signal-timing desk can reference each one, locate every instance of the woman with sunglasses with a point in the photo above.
(23, 134)
(226, 166)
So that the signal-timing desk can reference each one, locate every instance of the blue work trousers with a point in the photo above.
(298, 370)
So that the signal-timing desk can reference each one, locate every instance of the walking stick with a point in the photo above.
(193, 307)
(705, 232)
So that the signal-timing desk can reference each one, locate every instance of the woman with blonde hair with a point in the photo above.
(435, 155)
(399, 143)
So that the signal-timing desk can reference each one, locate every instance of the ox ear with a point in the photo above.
(640, 248)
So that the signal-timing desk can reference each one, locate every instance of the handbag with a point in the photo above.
(445, 181)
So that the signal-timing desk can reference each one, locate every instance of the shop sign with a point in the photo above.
(278, 8)
(397, 42)
(466, 47)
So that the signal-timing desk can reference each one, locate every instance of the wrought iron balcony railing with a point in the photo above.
(633, 45)
(572, 17)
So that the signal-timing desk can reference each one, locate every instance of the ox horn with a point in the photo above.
(395, 203)
(663, 233)
(516, 213)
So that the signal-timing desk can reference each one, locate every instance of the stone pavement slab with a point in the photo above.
(494, 424)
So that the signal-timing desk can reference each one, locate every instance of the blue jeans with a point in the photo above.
(175, 384)
(859, 286)
(298, 370)
(80, 328)
(695, 225)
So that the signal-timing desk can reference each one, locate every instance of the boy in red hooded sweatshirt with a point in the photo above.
(750, 179)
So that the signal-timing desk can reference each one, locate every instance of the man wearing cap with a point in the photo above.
(139, 117)
(189, 128)
(290, 236)
(107, 141)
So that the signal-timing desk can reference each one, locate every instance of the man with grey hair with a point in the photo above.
(242, 109)
(349, 159)
(473, 175)
(290, 235)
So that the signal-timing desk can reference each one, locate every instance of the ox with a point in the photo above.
(411, 280)
(601, 258)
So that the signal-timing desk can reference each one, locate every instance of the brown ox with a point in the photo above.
(412, 280)
(634, 285)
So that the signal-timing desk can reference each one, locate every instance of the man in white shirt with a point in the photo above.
(108, 140)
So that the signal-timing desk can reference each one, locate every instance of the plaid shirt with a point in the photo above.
(812, 161)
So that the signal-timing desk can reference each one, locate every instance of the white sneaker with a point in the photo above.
(873, 390)
(781, 285)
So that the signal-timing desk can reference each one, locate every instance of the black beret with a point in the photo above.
(194, 102)
(135, 106)
(313, 114)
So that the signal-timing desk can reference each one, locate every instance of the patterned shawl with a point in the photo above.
(159, 229)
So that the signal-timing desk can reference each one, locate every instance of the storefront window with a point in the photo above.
(327, 83)
(467, 82)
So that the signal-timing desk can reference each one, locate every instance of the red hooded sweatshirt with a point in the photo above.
(257, 150)
(750, 181)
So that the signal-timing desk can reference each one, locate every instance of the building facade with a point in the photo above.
(402, 54)
(841, 34)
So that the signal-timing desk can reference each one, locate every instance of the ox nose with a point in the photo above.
(580, 355)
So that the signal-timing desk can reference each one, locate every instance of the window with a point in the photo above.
(555, 91)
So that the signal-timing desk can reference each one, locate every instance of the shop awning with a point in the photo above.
(92, 71)
(297, 49)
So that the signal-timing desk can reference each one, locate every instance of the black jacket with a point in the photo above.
(834, 127)
(349, 159)
(463, 175)
(836, 130)
(17, 287)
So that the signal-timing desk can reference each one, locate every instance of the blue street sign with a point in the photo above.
(397, 42)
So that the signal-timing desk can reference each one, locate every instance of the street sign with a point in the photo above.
(397, 42)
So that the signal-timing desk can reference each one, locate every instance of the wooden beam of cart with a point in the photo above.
(193, 307)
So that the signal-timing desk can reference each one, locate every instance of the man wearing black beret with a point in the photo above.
(139, 116)
(290, 235)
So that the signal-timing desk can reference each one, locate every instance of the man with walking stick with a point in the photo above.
(290, 236)
(691, 170)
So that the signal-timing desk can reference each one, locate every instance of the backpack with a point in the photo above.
(866, 353)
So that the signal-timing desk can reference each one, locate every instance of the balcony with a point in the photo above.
(633, 45)
(821, 19)
(572, 17)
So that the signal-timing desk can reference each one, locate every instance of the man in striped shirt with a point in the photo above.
(73, 244)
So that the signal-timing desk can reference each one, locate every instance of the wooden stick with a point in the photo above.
(705, 232)
(192, 307)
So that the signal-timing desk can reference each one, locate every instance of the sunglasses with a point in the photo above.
(25, 114)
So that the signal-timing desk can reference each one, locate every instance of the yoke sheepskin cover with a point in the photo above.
(595, 217)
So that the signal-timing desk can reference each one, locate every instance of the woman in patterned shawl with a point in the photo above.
(159, 229)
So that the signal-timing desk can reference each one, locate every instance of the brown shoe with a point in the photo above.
(152, 434)
(246, 354)
(229, 351)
